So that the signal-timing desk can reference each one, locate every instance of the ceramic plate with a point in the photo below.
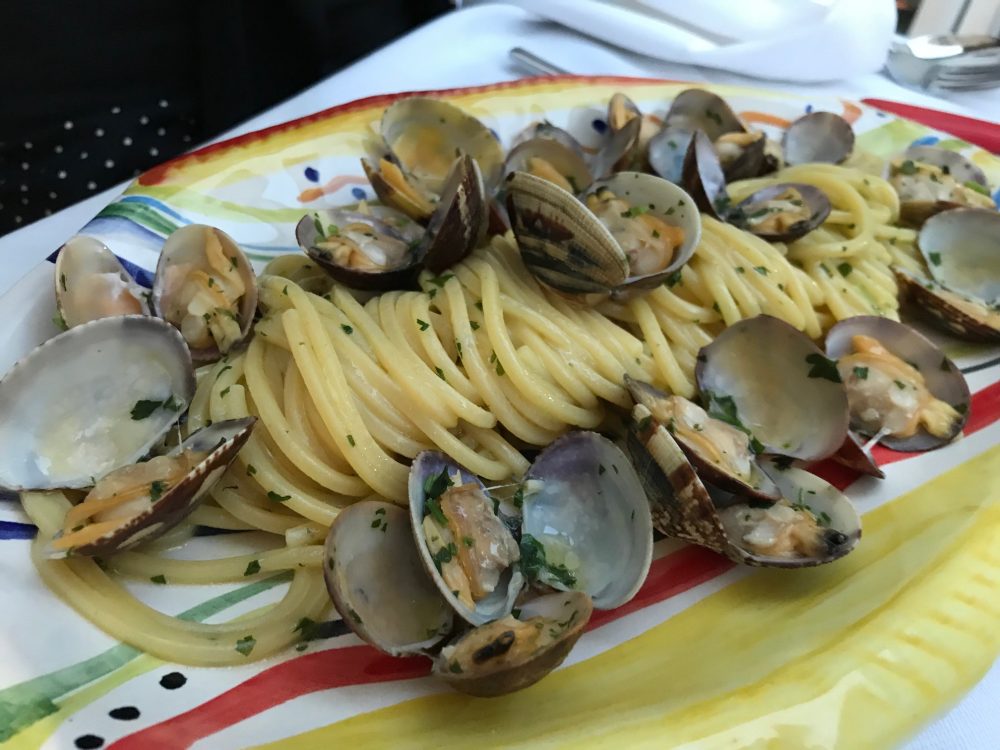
(855, 654)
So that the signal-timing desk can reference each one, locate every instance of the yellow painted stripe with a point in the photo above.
(851, 655)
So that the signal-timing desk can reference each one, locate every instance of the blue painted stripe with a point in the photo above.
(15, 530)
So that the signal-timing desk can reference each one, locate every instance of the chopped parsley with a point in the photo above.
(821, 367)
(253, 568)
(436, 484)
(59, 322)
(219, 373)
(160, 579)
(224, 392)
(424, 325)
(156, 489)
(275, 497)
(245, 645)
(350, 440)
(908, 167)
(474, 325)
(900, 384)
(468, 541)
(935, 258)
(444, 554)
(346, 329)
(144, 407)
(970, 184)
(634, 211)
(674, 279)
(845, 269)
(440, 373)
(861, 373)
(762, 270)
(440, 281)
(251, 470)
(533, 563)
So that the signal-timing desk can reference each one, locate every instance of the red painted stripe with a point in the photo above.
(363, 665)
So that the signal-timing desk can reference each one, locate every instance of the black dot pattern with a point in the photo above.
(124, 713)
(88, 742)
(173, 680)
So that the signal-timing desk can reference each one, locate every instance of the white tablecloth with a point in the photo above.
(469, 47)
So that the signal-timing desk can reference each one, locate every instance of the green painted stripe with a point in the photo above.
(140, 214)
(23, 704)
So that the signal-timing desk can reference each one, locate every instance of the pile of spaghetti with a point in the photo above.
(482, 363)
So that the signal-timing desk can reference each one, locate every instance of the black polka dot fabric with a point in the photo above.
(75, 158)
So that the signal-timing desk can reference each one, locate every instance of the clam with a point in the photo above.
(131, 378)
(545, 130)
(513, 653)
(206, 287)
(142, 501)
(630, 232)
(901, 388)
(775, 381)
(422, 137)
(465, 546)
(551, 160)
(586, 524)
(856, 454)
(777, 213)
(722, 452)
(963, 256)
(631, 141)
(818, 137)
(782, 213)
(931, 180)
(92, 283)
(378, 247)
(378, 583)
(812, 523)
(742, 151)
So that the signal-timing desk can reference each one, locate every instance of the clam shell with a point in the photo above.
(92, 283)
(962, 250)
(761, 486)
(53, 436)
(184, 252)
(377, 581)
(683, 507)
(782, 386)
(854, 455)
(545, 130)
(699, 109)
(400, 234)
(703, 178)
(453, 131)
(501, 601)
(223, 440)
(954, 163)
(814, 198)
(583, 501)
(667, 150)
(668, 202)
(818, 137)
(458, 224)
(617, 150)
(561, 242)
(943, 379)
(480, 663)
(567, 161)
(931, 300)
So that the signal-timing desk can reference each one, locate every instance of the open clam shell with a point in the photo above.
(721, 452)
(586, 522)
(553, 160)
(666, 152)
(92, 283)
(882, 393)
(699, 109)
(131, 377)
(459, 223)
(778, 384)
(926, 188)
(424, 135)
(547, 131)
(960, 315)
(160, 510)
(374, 250)
(962, 250)
(783, 213)
(747, 531)
(512, 654)
(854, 454)
(703, 178)
(818, 137)
(378, 583)
(617, 151)
(207, 288)
(445, 536)
(950, 162)
(561, 242)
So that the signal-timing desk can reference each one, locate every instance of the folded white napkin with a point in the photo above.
(789, 40)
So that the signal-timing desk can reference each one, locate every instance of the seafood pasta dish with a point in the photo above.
(459, 416)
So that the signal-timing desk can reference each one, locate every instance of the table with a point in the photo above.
(477, 40)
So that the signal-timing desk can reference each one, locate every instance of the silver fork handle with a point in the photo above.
(534, 63)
